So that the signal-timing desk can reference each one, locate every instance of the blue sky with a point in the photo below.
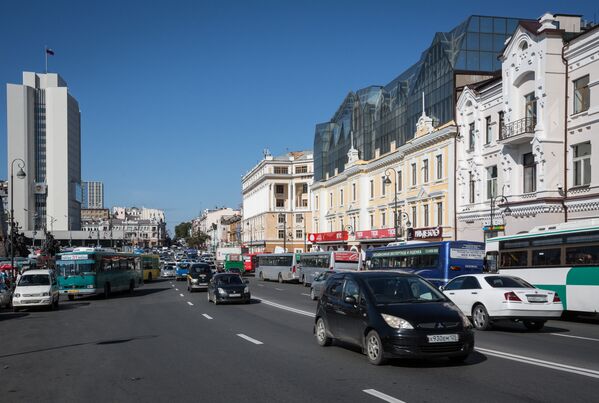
(179, 98)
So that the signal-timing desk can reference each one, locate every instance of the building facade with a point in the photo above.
(138, 213)
(92, 195)
(276, 202)
(43, 121)
(94, 214)
(141, 233)
(356, 209)
(524, 148)
(382, 118)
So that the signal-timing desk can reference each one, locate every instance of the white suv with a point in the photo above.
(36, 288)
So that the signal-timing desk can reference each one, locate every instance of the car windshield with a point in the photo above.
(34, 279)
(507, 282)
(200, 269)
(402, 289)
(226, 280)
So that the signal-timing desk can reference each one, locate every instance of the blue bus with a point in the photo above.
(438, 262)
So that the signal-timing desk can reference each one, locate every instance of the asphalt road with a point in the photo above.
(164, 344)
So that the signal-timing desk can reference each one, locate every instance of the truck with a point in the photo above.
(223, 251)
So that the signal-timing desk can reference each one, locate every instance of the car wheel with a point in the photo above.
(534, 324)
(321, 334)
(71, 297)
(208, 296)
(374, 348)
(106, 290)
(312, 294)
(480, 317)
(149, 277)
(261, 276)
(280, 278)
(131, 287)
(15, 309)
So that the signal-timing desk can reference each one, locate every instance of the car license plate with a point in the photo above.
(442, 338)
(73, 291)
(536, 298)
(234, 295)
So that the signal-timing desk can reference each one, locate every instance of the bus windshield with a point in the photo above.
(74, 268)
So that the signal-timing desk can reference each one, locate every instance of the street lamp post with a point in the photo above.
(21, 175)
(494, 201)
(397, 218)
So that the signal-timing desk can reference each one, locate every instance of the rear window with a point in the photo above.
(507, 282)
(200, 269)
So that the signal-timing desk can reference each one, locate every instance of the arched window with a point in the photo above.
(523, 45)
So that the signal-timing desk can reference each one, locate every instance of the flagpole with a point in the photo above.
(46, 54)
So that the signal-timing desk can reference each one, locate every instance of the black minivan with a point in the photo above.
(391, 314)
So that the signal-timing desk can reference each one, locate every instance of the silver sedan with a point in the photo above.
(318, 283)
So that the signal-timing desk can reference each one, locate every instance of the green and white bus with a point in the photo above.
(89, 271)
(563, 258)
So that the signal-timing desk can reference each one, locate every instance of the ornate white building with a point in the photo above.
(524, 148)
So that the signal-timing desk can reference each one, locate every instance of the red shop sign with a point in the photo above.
(328, 236)
(376, 233)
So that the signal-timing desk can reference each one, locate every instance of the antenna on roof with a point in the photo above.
(266, 152)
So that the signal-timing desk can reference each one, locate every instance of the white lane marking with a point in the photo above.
(574, 337)
(279, 289)
(172, 285)
(307, 295)
(206, 316)
(248, 338)
(260, 285)
(189, 303)
(382, 396)
(182, 295)
(287, 308)
(177, 289)
(541, 363)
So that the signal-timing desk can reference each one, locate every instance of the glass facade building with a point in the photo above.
(379, 116)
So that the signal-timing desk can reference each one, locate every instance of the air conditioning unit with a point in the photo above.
(40, 188)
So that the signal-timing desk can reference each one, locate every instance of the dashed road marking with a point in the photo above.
(182, 295)
(206, 316)
(574, 337)
(248, 338)
(382, 396)
(177, 289)
(307, 295)
(285, 307)
(279, 289)
(189, 303)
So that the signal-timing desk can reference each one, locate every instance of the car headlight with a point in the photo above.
(396, 323)
(465, 321)
(90, 286)
(17, 295)
(246, 289)
(194, 280)
(45, 294)
(221, 291)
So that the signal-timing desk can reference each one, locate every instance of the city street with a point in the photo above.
(165, 344)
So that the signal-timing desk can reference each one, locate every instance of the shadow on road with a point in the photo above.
(12, 315)
(99, 343)
(518, 327)
(72, 305)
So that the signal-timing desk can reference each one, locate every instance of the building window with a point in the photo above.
(488, 131)
(281, 234)
(299, 218)
(501, 119)
(582, 164)
(353, 192)
(582, 94)
(530, 173)
(279, 189)
(471, 137)
(399, 181)
(383, 220)
(491, 182)
(425, 213)
(280, 202)
(304, 188)
(439, 166)
(281, 170)
(371, 221)
(425, 171)
(414, 217)
(414, 174)
(371, 189)
(316, 202)
(299, 233)
(331, 200)
(471, 185)
(341, 197)
(530, 109)
(383, 187)
(302, 169)
(440, 213)
(281, 218)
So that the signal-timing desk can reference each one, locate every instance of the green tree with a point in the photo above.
(182, 230)
(197, 240)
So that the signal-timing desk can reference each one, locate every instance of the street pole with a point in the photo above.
(388, 182)
(285, 232)
(305, 235)
(21, 175)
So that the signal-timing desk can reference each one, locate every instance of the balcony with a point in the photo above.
(518, 131)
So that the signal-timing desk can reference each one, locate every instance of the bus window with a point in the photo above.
(514, 259)
(547, 257)
(582, 255)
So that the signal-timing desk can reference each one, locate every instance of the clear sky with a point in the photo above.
(179, 98)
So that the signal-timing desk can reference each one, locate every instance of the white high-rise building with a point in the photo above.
(92, 195)
(43, 121)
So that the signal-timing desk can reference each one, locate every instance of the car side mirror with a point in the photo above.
(350, 300)
(441, 288)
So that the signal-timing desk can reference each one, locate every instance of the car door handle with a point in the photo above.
(473, 292)
(451, 293)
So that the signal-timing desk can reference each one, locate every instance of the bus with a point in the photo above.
(563, 258)
(277, 266)
(250, 262)
(233, 261)
(150, 265)
(312, 263)
(89, 271)
(437, 262)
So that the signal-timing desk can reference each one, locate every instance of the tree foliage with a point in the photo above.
(182, 230)
(197, 240)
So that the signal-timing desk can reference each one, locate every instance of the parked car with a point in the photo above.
(391, 314)
(198, 277)
(488, 298)
(36, 288)
(228, 287)
(318, 283)
(5, 295)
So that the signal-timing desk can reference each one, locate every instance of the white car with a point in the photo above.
(491, 297)
(36, 288)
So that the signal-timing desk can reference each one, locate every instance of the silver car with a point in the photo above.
(318, 283)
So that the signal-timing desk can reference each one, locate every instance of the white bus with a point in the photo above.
(277, 266)
(313, 263)
(563, 258)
